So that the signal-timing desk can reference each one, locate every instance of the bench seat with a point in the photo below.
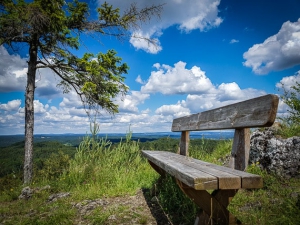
(202, 175)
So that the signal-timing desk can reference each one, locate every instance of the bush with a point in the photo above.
(288, 129)
(291, 123)
(54, 166)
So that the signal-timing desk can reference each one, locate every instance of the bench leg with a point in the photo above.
(160, 171)
(214, 205)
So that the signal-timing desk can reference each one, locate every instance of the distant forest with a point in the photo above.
(75, 139)
(12, 156)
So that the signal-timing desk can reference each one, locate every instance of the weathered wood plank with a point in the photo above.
(240, 149)
(159, 170)
(184, 143)
(188, 175)
(226, 180)
(201, 197)
(224, 197)
(213, 205)
(256, 112)
(248, 180)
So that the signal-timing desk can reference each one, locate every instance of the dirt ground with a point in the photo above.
(137, 209)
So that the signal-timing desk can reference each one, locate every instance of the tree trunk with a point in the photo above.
(29, 113)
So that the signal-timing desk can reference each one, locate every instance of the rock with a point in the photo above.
(112, 217)
(54, 197)
(86, 206)
(47, 187)
(26, 193)
(276, 155)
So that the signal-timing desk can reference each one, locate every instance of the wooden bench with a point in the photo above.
(195, 177)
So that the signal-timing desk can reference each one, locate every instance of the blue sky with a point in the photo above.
(209, 53)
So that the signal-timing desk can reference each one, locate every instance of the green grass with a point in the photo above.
(36, 211)
(288, 130)
(276, 203)
(115, 215)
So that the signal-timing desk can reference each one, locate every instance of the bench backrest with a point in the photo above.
(256, 112)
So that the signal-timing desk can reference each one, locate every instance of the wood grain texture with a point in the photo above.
(225, 180)
(240, 149)
(256, 112)
(188, 175)
(184, 143)
(214, 205)
(201, 175)
(249, 181)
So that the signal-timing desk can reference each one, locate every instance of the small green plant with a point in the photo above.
(288, 128)
(54, 166)
(291, 123)
(291, 97)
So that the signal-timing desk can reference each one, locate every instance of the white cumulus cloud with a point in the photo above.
(139, 80)
(232, 91)
(13, 76)
(13, 70)
(187, 15)
(288, 82)
(177, 110)
(39, 107)
(146, 42)
(277, 52)
(11, 105)
(130, 102)
(177, 80)
(201, 93)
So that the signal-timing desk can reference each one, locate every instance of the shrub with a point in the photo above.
(54, 166)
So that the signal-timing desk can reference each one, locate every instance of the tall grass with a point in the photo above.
(288, 129)
(102, 169)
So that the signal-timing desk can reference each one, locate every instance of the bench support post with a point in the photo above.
(240, 149)
(184, 143)
(160, 171)
(214, 205)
